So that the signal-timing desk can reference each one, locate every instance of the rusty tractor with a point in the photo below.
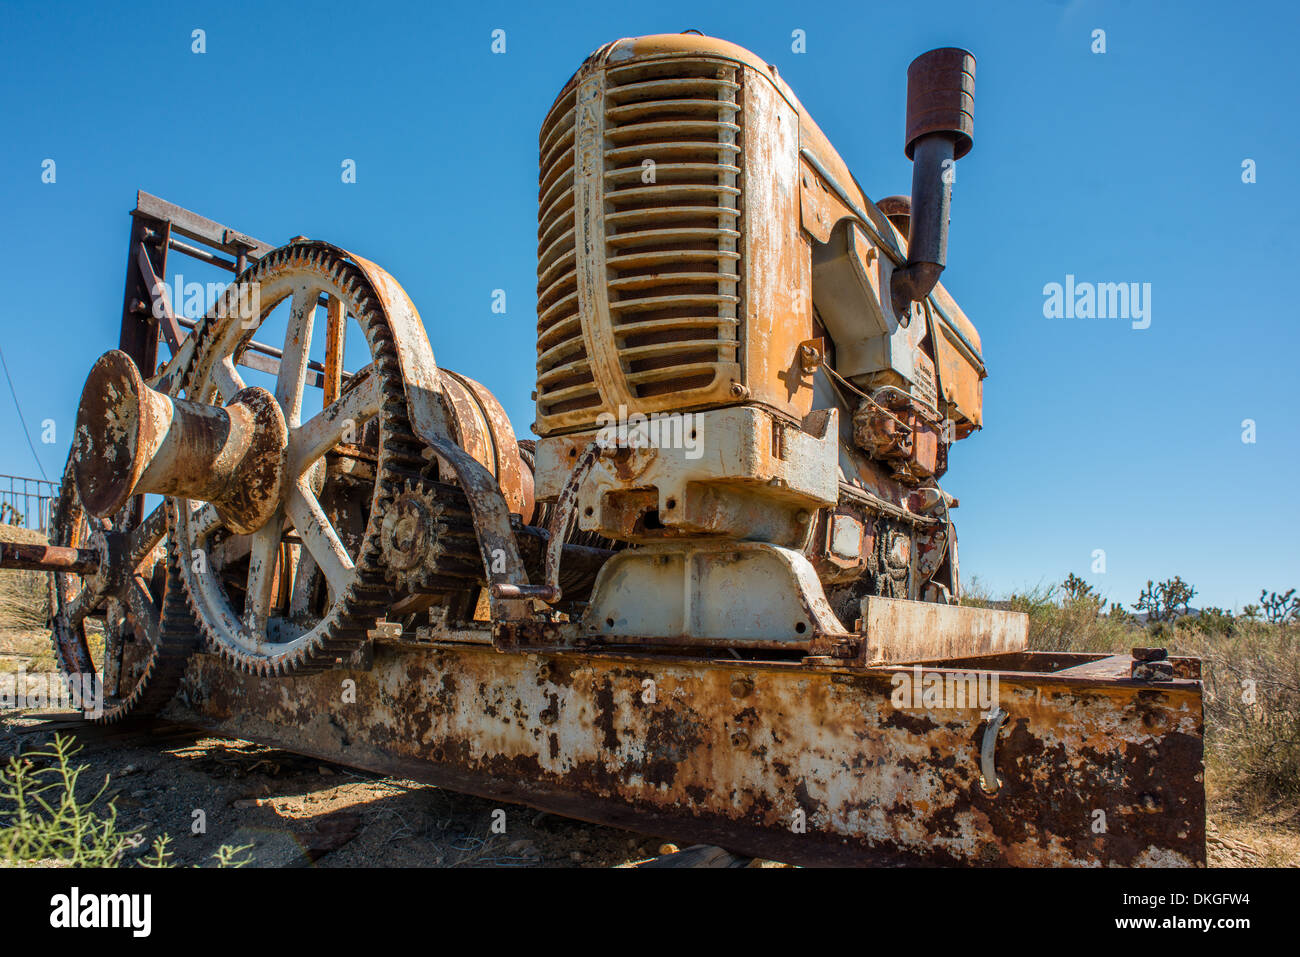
(716, 598)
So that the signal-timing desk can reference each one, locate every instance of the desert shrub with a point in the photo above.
(48, 816)
(1252, 701)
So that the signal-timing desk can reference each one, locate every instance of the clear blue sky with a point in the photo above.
(1115, 167)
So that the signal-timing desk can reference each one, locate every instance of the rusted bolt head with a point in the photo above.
(740, 687)
(738, 390)
(740, 739)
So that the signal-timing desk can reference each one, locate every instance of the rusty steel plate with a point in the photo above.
(806, 764)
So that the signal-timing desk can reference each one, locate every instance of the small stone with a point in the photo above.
(521, 849)
(667, 849)
(129, 769)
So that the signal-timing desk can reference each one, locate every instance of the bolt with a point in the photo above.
(738, 390)
(740, 739)
(740, 687)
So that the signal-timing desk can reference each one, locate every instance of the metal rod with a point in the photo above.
(271, 351)
(202, 254)
(48, 558)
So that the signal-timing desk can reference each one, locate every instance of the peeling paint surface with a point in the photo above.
(741, 753)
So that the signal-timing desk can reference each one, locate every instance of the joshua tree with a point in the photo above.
(1165, 601)
(1077, 590)
(1280, 608)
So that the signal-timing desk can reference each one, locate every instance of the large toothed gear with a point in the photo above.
(314, 584)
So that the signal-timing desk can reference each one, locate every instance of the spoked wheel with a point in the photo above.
(135, 666)
(301, 583)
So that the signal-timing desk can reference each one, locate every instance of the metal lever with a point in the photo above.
(989, 782)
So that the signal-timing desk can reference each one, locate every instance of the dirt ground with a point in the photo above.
(296, 811)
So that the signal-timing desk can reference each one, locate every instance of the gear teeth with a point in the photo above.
(347, 624)
(448, 561)
(178, 638)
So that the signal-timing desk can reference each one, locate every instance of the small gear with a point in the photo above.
(427, 540)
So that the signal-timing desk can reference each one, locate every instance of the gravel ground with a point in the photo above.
(296, 811)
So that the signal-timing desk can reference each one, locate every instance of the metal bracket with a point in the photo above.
(989, 782)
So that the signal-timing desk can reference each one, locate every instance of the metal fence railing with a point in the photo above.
(27, 501)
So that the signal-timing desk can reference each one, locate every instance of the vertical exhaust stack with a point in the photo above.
(940, 129)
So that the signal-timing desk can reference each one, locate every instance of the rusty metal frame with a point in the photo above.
(792, 761)
(155, 226)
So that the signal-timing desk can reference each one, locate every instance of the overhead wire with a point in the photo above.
(19, 408)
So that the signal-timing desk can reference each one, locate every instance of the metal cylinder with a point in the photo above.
(898, 210)
(132, 439)
(48, 558)
(941, 99)
(940, 130)
(927, 234)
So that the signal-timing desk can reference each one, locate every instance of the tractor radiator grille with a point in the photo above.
(669, 272)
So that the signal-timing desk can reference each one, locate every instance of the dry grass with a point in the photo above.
(24, 634)
(24, 599)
